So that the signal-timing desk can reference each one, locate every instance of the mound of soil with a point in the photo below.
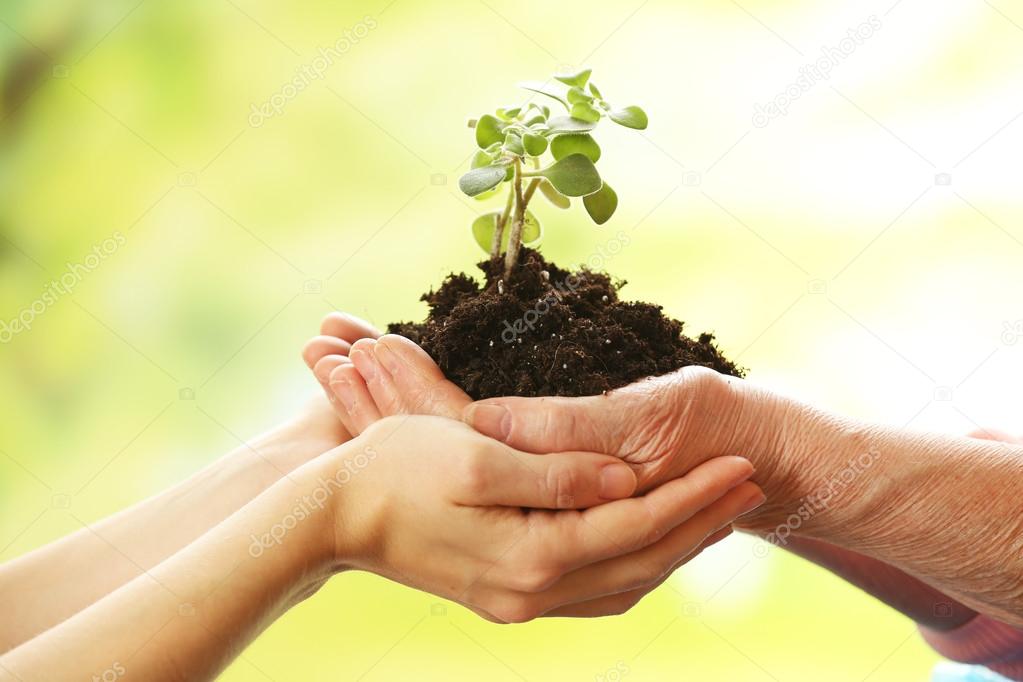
(550, 331)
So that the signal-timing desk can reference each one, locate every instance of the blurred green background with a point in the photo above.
(861, 251)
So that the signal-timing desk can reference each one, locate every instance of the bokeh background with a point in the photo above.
(861, 251)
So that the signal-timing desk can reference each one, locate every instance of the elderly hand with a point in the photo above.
(662, 427)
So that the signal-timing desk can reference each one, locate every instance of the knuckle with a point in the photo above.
(474, 472)
(624, 604)
(515, 610)
(562, 485)
(655, 529)
(534, 580)
(364, 345)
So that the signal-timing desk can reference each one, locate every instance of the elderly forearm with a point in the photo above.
(946, 510)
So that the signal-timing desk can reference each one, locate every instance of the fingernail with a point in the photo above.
(323, 370)
(753, 502)
(616, 481)
(490, 420)
(743, 476)
(365, 363)
(387, 358)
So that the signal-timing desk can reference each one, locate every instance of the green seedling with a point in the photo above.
(529, 149)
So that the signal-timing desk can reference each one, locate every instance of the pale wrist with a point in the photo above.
(339, 482)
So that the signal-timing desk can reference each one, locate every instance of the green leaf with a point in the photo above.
(532, 230)
(578, 143)
(585, 111)
(630, 117)
(488, 131)
(488, 194)
(484, 226)
(576, 95)
(479, 180)
(573, 176)
(553, 195)
(481, 158)
(601, 205)
(535, 145)
(567, 124)
(545, 89)
(483, 229)
(577, 79)
(594, 91)
(508, 113)
(513, 143)
(533, 120)
(541, 108)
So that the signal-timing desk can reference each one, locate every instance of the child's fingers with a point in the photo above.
(377, 378)
(347, 327)
(358, 409)
(617, 604)
(319, 347)
(419, 385)
(649, 566)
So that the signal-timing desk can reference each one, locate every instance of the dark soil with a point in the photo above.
(551, 332)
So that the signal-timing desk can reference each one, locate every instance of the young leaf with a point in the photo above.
(483, 230)
(532, 230)
(479, 180)
(601, 205)
(488, 194)
(533, 120)
(576, 95)
(553, 195)
(508, 113)
(579, 143)
(513, 143)
(488, 131)
(573, 176)
(577, 79)
(535, 145)
(544, 89)
(481, 158)
(584, 111)
(594, 91)
(567, 124)
(630, 117)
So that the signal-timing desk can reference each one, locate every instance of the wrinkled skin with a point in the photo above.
(663, 426)
(368, 378)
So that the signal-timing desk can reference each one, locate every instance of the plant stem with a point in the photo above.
(495, 243)
(515, 238)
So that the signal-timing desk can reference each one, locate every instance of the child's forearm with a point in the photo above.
(189, 616)
(51, 584)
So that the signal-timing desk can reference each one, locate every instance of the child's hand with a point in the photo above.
(431, 503)
(367, 376)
